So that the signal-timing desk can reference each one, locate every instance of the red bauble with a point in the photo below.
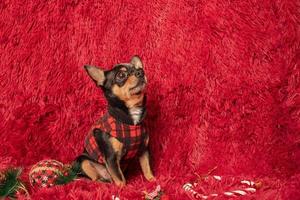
(45, 173)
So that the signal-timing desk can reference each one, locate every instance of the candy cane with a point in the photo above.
(188, 188)
(114, 197)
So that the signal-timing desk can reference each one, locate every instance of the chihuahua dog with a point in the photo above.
(119, 135)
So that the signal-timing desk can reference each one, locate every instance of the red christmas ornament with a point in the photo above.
(45, 173)
(156, 194)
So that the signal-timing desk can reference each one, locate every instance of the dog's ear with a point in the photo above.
(96, 74)
(136, 62)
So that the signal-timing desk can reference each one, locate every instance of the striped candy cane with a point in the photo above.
(189, 188)
(114, 197)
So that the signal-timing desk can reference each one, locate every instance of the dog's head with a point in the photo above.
(124, 83)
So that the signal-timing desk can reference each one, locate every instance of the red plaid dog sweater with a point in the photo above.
(131, 136)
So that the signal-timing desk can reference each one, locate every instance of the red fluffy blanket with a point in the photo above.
(224, 89)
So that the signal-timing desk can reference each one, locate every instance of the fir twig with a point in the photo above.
(11, 184)
(70, 175)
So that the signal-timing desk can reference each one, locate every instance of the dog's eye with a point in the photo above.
(121, 76)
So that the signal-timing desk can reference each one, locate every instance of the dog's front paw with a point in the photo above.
(151, 178)
(120, 183)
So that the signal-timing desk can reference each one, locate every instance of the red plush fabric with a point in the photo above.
(224, 88)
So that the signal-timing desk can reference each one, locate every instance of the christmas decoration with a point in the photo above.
(69, 174)
(48, 173)
(10, 184)
(157, 194)
(246, 187)
(114, 197)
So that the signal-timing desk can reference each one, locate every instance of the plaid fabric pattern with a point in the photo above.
(130, 135)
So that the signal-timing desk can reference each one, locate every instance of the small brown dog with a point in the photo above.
(120, 134)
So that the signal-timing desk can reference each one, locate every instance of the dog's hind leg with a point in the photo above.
(95, 171)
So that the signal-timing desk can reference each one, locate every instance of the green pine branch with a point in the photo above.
(11, 184)
(70, 175)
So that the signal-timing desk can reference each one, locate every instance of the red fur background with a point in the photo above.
(224, 88)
